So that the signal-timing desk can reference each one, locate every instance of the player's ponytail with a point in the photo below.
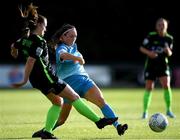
(29, 17)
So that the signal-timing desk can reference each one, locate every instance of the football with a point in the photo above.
(158, 122)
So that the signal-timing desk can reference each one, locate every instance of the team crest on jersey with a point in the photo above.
(39, 51)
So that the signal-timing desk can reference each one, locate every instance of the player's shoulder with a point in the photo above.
(61, 46)
(33, 38)
(75, 46)
(169, 36)
(36, 39)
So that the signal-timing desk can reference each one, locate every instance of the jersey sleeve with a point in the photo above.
(60, 50)
(16, 44)
(146, 41)
(171, 42)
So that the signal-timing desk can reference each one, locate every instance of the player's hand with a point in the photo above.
(80, 61)
(152, 54)
(167, 50)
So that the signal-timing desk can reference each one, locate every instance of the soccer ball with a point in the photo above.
(158, 122)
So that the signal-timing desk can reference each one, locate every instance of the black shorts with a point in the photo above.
(153, 73)
(47, 87)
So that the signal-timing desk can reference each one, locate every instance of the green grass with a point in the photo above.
(24, 111)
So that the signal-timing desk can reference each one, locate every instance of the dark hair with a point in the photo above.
(60, 32)
(55, 38)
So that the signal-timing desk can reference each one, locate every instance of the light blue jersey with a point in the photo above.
(72, 73)
(67, 68)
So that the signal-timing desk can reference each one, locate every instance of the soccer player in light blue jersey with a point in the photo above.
(70, 68)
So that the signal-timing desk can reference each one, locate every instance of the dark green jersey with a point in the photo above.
(23, 45)
(156, 43)
(42, 71)
(42, 75)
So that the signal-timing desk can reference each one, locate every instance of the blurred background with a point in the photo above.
(110, 33)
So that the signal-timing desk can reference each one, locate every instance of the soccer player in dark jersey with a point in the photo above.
(157, 46)
(39, 72)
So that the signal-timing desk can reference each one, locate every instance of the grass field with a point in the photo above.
(23, 111)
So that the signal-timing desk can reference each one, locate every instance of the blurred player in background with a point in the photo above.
(157, 46)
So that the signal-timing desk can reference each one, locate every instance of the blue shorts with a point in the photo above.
(80, 83)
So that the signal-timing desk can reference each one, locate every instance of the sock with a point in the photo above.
(84, 110)
(52, 117)
(108, 112)
(168, 98)
(147, 100)
(55, 126)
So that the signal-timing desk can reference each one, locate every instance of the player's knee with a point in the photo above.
(58, 101)
(149, 87)
(165, 86)
(71, 95)
(75, 96)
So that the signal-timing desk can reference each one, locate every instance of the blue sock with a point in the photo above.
(108, 112)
